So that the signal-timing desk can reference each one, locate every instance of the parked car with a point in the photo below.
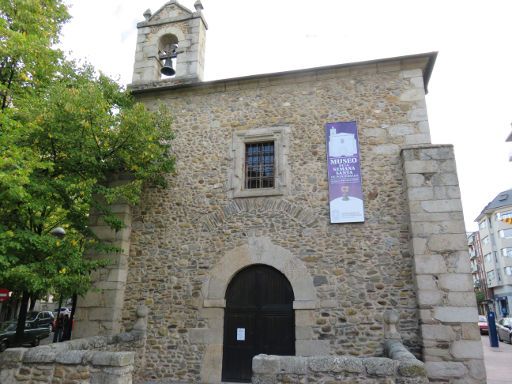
(31, 337)
(42, 318)
(504, 328)
(482, 324)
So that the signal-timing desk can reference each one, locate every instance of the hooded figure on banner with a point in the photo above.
(344, 173)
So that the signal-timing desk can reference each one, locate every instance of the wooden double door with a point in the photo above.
(259, 318)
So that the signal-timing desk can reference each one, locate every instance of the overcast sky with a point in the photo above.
(470, 91)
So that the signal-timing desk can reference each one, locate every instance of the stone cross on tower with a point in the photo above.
(158, 35)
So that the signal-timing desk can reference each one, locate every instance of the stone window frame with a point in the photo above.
(280, 136)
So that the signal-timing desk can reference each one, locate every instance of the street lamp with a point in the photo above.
(58, 232)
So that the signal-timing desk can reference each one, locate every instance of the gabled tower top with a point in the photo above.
(173, 37)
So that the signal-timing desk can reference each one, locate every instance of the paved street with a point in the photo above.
(48, 340)
(498, 362)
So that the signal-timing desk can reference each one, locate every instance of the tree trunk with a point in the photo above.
(20, 327)
(73, 307)
(33, 300)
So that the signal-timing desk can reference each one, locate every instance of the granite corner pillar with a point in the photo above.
(99, 312)
(452, 348)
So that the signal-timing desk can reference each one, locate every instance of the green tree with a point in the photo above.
(64, 131)
(480, 296)
(28, 29)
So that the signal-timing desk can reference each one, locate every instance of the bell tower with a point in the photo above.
(170, 45)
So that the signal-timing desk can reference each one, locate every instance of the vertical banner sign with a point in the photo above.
(344, 173)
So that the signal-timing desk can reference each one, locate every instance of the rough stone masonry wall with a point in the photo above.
(400, 367)
(41, 365)
(452, 349)
(95, 360)
(180, 234)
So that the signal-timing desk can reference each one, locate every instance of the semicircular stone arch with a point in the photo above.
(161, 32)
(259, 250)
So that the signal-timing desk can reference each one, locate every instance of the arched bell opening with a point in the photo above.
(168, 55)
(258, 318)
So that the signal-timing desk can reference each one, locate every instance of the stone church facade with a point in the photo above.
(183, 246)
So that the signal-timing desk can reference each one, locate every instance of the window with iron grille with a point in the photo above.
(260, 162)
(259, 165)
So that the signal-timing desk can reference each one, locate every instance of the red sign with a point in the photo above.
(4, 294)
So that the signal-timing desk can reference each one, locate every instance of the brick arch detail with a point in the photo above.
(303, 216)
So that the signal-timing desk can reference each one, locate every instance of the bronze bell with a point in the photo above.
(167, 69)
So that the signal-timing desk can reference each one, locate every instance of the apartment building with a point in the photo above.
(495, 231)
(478, 269)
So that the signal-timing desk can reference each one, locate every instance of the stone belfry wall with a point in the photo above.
(171, 23)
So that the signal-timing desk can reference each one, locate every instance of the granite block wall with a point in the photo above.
(452, 348)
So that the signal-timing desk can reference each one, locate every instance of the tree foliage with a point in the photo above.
(64, 131)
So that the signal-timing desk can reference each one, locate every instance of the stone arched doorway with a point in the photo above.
(257, 250)
(258, 318)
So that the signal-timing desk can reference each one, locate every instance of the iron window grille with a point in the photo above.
(259, 165)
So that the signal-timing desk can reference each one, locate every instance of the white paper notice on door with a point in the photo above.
(240, 334)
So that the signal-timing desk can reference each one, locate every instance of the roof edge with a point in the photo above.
(171, 2)
(491, 206)
(137, 88)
